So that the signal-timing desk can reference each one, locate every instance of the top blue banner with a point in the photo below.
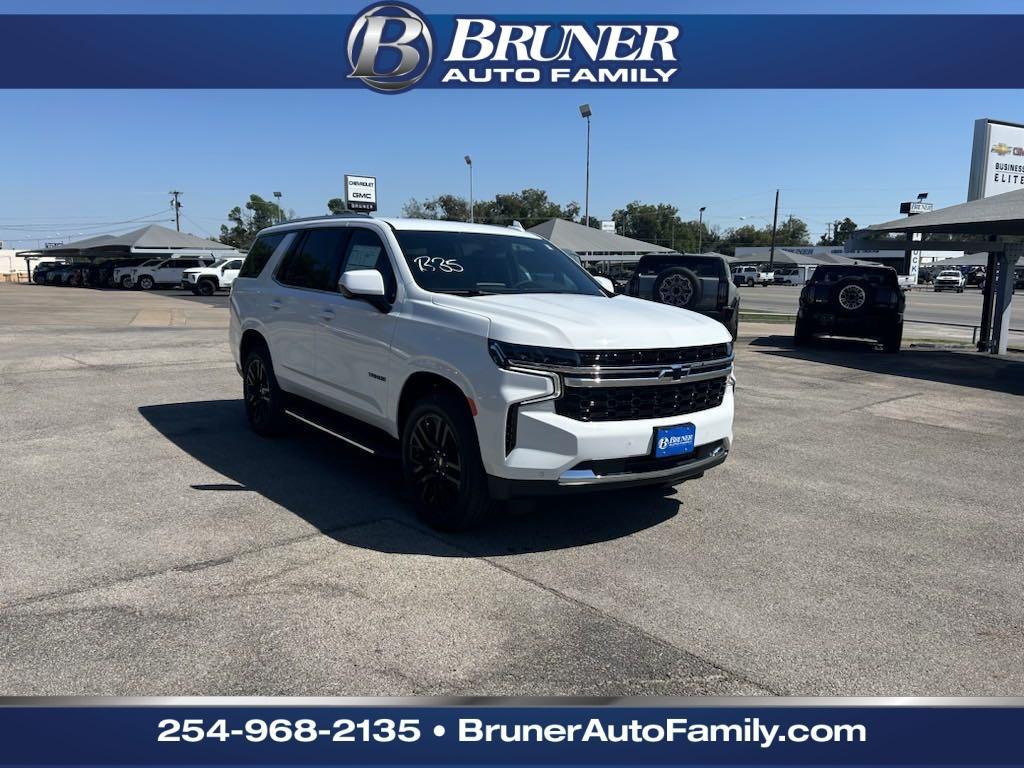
(393, 48)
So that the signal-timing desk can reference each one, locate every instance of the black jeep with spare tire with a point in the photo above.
(699, 282)
(862, 301)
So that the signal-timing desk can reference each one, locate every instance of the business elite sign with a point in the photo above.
(997, 159)
(392, 46)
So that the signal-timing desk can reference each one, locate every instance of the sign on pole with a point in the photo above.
(361, 193)
(997, 160)
(608, 226)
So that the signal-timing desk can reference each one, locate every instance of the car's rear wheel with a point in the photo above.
(442, 465)
(264, 400)
(734, 325)
(801, 334)
(750, 282)
(146, 283)
(894, 339)
(126, 282)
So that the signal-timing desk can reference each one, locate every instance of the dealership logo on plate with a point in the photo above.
(390, 47)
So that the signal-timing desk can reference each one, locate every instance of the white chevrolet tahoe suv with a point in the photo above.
(500, 366)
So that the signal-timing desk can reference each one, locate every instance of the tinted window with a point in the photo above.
(825, 274)
(366, 251)
(233, 264)
(702, 266)
(183, 263)
(314, 262)
(474, 263)
(260, 254)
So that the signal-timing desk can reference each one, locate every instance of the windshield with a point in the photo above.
(473, 264)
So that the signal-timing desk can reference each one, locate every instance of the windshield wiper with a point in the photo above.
(468, 292)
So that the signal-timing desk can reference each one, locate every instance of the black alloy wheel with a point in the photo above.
(206, 288)
(263, 398)
(435, 462)
(442, 465)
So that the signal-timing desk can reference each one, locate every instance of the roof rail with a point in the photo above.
(339, 215)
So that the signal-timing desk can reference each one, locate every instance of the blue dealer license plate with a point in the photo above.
(674, 441)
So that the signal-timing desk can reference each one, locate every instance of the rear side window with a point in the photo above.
(315, 262)
(260, 254)
(366, 251)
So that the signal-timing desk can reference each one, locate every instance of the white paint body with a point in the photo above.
(359, 359)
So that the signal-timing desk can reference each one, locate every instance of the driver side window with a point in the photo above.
(366, 251)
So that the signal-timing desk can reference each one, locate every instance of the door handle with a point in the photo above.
(275, 304)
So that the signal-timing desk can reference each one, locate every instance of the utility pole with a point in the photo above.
(775, 225)
(177, 208)
(700, 229)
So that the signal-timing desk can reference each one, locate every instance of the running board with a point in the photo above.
(361, 436)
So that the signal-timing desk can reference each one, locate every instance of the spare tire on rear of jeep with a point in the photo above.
(677, 287)
(852, 294)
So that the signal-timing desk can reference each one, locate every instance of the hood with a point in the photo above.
(589, 322)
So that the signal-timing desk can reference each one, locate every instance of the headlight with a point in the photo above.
(507, 355)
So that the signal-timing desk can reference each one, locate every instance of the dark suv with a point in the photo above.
(856, 300)
(698, 282)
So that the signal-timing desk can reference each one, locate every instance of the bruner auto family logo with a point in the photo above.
(391, 49)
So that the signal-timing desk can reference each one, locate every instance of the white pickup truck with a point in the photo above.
(752, 276)
(206, 281)
(490, 362)
(950, 280)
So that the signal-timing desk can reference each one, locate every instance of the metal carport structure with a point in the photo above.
(996, 225)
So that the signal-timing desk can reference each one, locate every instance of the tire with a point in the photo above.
(801, 334)
(892, 342)
(750, 282)
(206, 287)
(960, 289)
(677, 287)
(734, 325)
(441, 463)
(126, 282)
(852, 295)
(263, 398)
(146, 283)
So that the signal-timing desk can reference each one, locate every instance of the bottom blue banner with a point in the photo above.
(175, 732)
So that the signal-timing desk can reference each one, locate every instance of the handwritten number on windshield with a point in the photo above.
(436, 264)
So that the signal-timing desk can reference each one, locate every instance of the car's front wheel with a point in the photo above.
(442, 465)
(264, 400)
(206, 288)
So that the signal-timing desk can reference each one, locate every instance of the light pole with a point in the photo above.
(280, 210)
(469, 162)
(585, 112)
(700, 229)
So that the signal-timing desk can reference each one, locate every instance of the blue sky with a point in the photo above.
(84, 160)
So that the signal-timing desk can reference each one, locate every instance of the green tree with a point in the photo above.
(245, 224)
(444, 207)
(841, 231)
(659, 223)
(336, 205)
(791, 231)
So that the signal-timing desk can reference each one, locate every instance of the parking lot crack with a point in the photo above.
(883, 402)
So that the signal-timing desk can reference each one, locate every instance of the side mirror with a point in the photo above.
(367, 283)
(605, 283)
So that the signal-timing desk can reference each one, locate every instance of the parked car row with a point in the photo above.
(203, 275)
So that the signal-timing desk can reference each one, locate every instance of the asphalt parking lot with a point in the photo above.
(865, 537)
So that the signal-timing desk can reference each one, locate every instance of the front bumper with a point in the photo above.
(615, 474)
(554, 453)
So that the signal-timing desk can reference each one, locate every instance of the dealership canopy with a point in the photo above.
(149, 238)
(997, 215)
(592, 244)
(791, 258)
